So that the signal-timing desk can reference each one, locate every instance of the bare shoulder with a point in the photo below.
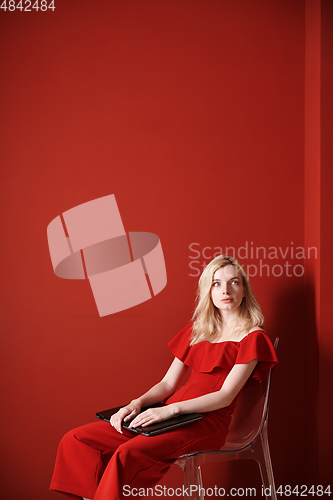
(257, 328)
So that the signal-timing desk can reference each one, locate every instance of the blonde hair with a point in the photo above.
(207, 319)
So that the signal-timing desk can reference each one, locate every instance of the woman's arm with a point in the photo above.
(166, 386)
(157, 393)
(209, 402)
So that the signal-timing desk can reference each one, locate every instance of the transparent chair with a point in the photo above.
(247, 439)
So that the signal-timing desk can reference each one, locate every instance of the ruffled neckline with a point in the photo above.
(234, 341)
(202, 357)
(205, 356)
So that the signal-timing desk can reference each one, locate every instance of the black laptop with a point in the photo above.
(153, 429)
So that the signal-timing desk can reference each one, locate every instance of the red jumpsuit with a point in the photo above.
(97, 462)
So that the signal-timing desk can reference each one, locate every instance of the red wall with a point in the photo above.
(192, 114)
(325, 406)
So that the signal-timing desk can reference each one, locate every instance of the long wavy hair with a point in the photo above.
(207, 319)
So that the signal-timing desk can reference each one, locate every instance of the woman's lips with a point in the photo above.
(226, 300)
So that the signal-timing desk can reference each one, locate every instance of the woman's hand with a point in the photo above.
(153, 415)
(126, 413)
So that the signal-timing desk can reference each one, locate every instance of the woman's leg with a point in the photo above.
(97, 462)
(82, 456)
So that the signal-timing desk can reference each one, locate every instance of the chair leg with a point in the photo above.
(193, 480)
(263, 457)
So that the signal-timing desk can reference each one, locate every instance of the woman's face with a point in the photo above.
(227, 288)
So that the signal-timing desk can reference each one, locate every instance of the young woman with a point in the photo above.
(224, 347)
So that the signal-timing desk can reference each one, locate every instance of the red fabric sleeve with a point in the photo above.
(180, 344)
(258, 345)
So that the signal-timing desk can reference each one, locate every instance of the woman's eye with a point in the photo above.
(216, 284)
(234, 282)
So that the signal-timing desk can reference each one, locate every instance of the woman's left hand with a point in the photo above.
(153, 415)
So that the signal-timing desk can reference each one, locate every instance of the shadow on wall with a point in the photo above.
(294, 418)
(292, 421)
